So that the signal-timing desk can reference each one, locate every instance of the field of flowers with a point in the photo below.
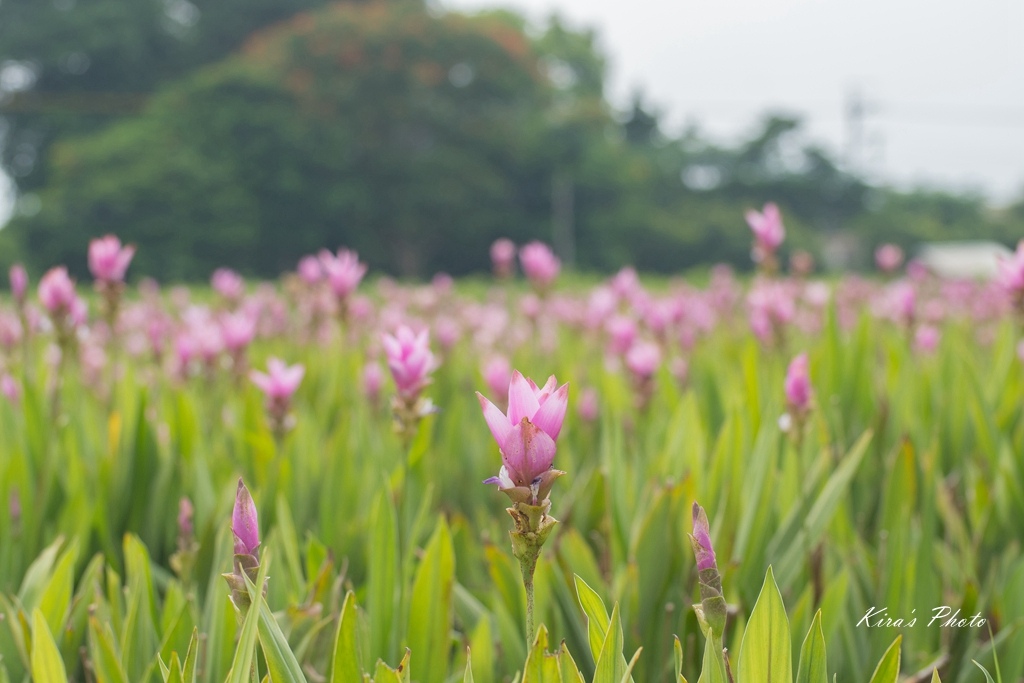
(307, 480)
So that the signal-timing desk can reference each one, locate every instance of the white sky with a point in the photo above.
(943, 80)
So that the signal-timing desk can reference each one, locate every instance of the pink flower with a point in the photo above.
(926, 338)
(237, 331)
(310, 270)
(526, 436)
(280, 381)
(228, 284)
(540, 265)
(9, 388)
(503, 257)
(888, 258)
(373, 380)
(410, 360)
(588, 405)
(57, 292)
(643, 359)
(767, 228)
(344, 272)
(798, 384)
(108, 260)
(497, 374)
(1010, 275)
(19, 282)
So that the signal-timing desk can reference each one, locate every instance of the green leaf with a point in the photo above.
(766, 652)
(541, 666)
(382, 573)
(888, 669)
(988, 676)
(345, 659)
(47, 664)
(282, 666)
(813, 666)
(597, 615)
(242, 664)
(935, 676)
(430, 608)
(102, 651)
(712, 667)
(611, 666)
(385, 674)
(467, 677)
(568, 669)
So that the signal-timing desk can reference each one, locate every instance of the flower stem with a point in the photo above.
(528, 565)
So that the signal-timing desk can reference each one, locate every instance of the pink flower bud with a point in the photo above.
(701, 538)
(9, 388)
(108, 260)
(244, 523)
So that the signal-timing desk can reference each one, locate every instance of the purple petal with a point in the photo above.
(244, 522)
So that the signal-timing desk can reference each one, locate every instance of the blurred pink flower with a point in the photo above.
(767, 228)
(310, 270)
(888, 258)
(1010, 274)
(410, 360)
(237, 330)
(373, 380)
(526, 437)
(643, 359)
(108, 260)
(497, 374)
(19, 282)
(926, 338)
(57, 292)
(798, 385)
(588, 405)
(344, 271)
(280, 381)
(9, 388)
(228, 284)
(540, 265)
(503, 257)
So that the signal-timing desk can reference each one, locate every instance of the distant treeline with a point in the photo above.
(246, 133)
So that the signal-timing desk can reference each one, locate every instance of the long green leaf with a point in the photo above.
(766, 653)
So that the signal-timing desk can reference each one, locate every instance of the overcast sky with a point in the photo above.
(942, 80)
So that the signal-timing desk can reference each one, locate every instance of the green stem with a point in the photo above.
(528, 565)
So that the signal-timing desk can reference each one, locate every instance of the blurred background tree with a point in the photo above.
(250, 133)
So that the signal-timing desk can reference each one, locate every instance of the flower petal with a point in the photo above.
(521, 400)
(496, 420)
(552, 412)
